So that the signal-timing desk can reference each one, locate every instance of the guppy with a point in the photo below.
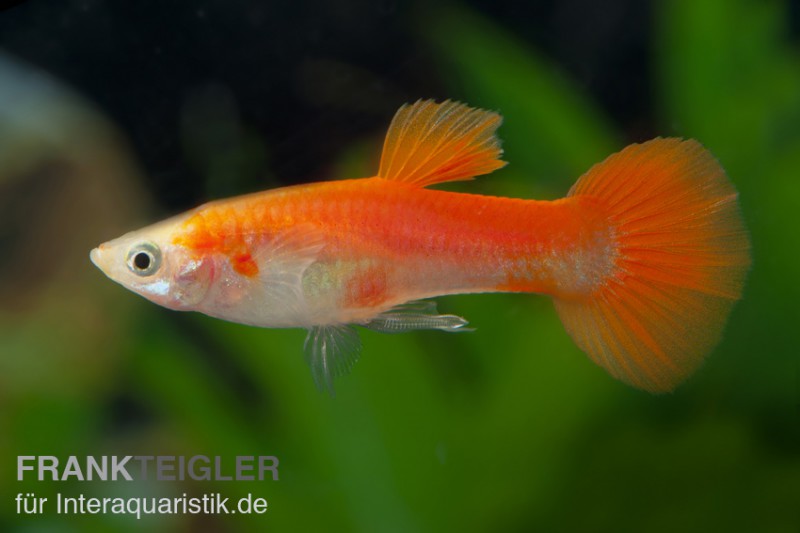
(644, 257)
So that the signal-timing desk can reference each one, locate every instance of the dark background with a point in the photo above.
(285, 64)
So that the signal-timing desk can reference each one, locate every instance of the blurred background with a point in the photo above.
(117, 114)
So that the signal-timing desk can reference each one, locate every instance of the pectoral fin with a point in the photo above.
(282, 263)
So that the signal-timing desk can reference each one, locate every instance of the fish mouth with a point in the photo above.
(96, 257)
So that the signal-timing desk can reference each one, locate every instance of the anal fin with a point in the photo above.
(416, 315)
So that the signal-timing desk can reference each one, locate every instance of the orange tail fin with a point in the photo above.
(682, 256)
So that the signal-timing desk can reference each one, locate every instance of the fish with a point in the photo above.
(644, 258)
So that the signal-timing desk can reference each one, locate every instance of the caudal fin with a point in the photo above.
(682, 256)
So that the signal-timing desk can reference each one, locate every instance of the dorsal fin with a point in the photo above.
(431, 143)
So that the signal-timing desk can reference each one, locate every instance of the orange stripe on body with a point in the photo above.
(221, 229)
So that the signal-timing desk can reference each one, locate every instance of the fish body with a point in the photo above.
(387, 243)
(643, 258)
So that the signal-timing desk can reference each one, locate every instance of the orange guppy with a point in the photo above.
(644, 258)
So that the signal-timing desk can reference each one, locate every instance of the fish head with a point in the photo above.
(148, 262)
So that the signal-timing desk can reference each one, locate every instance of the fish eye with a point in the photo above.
(144, 259)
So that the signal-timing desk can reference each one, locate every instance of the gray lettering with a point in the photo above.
(267, 462)
(21, 466)
(204, 471)
(218, 470)
(244, 464)
(143, 461)
(118, 467)
(73, 468)
(165, 464)
(52, 467)
(93, 468)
